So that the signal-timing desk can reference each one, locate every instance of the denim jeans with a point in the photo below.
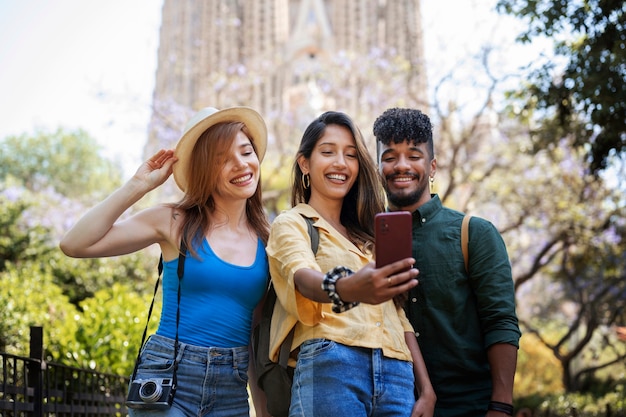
(333, 380)
(212, 382)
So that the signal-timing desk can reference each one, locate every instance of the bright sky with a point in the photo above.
(80, 64)
(91, 64)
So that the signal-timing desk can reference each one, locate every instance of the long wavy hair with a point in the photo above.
(208, 156)
(364, 199)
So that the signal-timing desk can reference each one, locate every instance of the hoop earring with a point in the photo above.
(306, 181)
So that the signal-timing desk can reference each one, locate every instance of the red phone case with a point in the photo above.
(394, 238)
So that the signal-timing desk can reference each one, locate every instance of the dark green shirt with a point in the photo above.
(458, 316)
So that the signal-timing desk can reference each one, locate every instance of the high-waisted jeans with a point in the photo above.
(334, 380)
(212, 382)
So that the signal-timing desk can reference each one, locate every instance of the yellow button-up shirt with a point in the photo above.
(289, 250)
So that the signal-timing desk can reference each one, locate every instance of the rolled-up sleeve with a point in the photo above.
(492, 281)
(289, 250)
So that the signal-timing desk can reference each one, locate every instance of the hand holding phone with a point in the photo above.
(394, 237)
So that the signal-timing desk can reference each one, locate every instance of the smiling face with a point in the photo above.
(239, 175)
(333, 165)
(406, 169)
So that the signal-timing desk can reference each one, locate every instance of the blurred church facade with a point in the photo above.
(271, 55)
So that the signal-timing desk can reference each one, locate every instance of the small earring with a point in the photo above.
(432, 180)
(306, 181)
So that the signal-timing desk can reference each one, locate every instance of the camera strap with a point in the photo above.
(180, 272)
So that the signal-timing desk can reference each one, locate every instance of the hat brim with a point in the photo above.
(206, 118)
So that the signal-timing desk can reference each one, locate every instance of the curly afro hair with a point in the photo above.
(398, 125)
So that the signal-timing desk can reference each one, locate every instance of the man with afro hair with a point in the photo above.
(465, 318)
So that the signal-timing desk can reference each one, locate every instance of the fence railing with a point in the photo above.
(31, 387)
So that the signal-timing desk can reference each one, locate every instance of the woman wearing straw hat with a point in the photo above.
(220, 219)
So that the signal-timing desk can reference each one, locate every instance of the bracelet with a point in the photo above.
(329, 285)
(501, 407)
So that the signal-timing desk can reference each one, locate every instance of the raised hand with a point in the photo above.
(157, 169)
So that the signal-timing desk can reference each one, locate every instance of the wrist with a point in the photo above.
(137, 186)
(501, 407)
(427, 394)
(329, 284)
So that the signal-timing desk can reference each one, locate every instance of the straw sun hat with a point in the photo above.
(206, 118)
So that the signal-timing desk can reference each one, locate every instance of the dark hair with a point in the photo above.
(398, 125)
(365, 198)
(206, 160)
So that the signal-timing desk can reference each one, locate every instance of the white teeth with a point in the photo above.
(403, 179)
(337, 177)
(241, 179)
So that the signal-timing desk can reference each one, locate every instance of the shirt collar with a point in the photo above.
(306, 210)
(428, 210)
(321, 223)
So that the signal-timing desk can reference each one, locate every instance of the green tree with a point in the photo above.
(68, 162)
(110, 327)
(18, 241)
(29, 297)
(564, 230)
(81, 279)
(588, 92)
(43, 287)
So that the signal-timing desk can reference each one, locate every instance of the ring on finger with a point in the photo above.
(389, 281)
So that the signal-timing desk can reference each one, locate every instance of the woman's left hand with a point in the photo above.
(423, 408)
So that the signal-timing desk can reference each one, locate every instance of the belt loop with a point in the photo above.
(235, 357)
(181, 350)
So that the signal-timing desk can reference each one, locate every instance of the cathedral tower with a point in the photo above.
(276, 56)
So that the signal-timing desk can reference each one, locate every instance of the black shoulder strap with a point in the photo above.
(180, 272)
(314, 234)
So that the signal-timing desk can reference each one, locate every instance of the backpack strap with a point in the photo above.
(465, 240)
(285, 348)
(314, 234)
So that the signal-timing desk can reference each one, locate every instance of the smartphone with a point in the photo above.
(394, 237)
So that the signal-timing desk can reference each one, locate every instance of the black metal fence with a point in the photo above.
(31, 387)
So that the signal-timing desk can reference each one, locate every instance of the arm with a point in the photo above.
(503, 361)
(492, 283)
(98, 233)
(425, 404)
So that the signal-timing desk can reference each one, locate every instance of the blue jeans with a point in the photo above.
(212, 381)
(333, 380)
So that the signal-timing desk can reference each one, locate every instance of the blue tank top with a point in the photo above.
(217, 298)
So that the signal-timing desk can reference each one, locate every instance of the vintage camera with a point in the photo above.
(153, 393)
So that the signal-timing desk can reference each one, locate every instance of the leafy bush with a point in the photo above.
(110, 328)
(586, 405)
(30, 298)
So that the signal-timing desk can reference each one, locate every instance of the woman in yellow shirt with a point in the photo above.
(356, 352)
